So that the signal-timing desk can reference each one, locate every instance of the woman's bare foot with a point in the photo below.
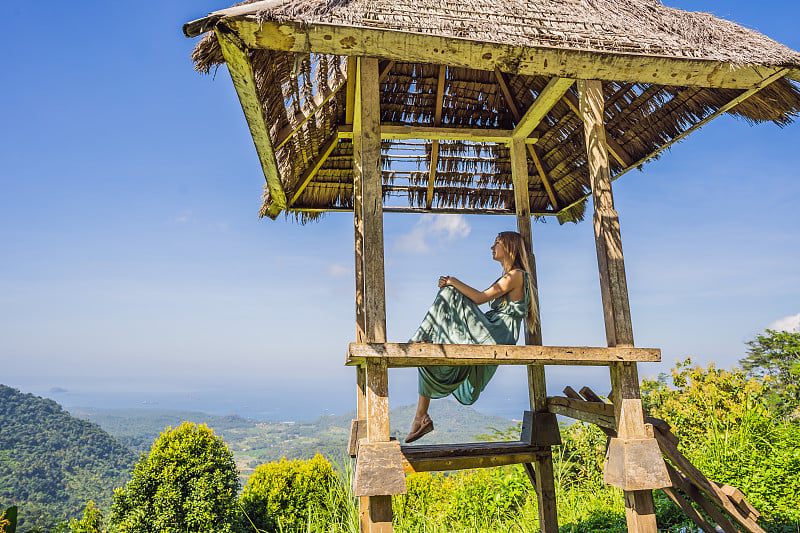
(419, 427)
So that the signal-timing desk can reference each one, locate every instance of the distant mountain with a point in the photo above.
(254, 442)
(51, 463)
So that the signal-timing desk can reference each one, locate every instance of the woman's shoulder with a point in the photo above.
(516, 276)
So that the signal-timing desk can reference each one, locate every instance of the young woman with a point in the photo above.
(454, 318)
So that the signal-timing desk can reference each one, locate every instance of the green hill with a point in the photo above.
(51, 463)
(254, 442)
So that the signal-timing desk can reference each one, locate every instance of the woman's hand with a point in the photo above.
(444, 281)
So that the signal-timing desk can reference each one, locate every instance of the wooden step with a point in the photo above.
(425, 354)
(441, 457)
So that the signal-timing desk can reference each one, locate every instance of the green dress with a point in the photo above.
(455, 319)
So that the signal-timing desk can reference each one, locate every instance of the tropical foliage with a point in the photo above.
(187, 482)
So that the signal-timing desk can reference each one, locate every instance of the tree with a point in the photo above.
(283, 496)
(188, 482)
(91, 522)
(776, 356)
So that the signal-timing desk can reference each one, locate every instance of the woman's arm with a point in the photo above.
(510, 281)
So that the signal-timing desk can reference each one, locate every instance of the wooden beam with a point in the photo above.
(385, 71)
(639, 506)
(689, 511)
(441, 133)
(724, 109)
(241, 71)
(512, 106)
(420, 210)
(533, 61)
(350, 102)
(367, 165)
(614, 148)
(690, 472)
(548, 186)
(314, 168)
(443, 457)
(437, 120)
(548, 98)
(683, 483)
(399, 355)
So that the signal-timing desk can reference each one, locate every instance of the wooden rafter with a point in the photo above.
(548, 98)
(614, 148)
(725, 108)
(421, 210)
(535, 61)
(351, 90)
(511, 102)
(312, 170)
(440, 133)
(385, 71)
(241, 71)
(437, 120)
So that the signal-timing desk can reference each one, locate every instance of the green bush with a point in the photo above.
(90, 522)
(287, 495)
(188, 482)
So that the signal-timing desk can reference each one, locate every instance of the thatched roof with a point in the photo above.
(641, 117)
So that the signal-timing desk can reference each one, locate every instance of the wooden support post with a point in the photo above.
(376, 515)
(236, 57)
(543, 466)
(639, 506)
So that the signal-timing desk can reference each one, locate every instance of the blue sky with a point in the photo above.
(134, 267)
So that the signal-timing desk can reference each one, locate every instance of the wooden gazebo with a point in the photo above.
(506, 107)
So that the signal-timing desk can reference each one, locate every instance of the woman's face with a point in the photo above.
(499, 252)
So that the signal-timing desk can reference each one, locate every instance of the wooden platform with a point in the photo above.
(399, 355)
(441, 457)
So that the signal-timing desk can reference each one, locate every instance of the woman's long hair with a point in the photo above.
(515, 246)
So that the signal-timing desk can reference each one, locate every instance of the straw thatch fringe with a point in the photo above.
(639, 117)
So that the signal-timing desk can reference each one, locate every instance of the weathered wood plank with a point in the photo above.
(412, 354)
(358, 431)
(441, 457)
(540, 107)
(379, 470)
(350, 99)
(710, 489)
(241, 71)
(441, 133)
(536, 61)
(540, 429)
(603, 409)
(635, 465)
(689, 511)
(604, 422)
(683, 483)
(420, 210)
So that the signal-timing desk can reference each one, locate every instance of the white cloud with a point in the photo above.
(336, 270)
(790, 324)
(182, 218)
(442, 227)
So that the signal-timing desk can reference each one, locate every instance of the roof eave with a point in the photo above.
(540, 61)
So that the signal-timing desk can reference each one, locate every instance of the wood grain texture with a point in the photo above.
(635, 465)
(442, 457)
(379, 470)
(400, 355)
(241, 71)
(540, 107)
(540, 429)
(535, 61)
